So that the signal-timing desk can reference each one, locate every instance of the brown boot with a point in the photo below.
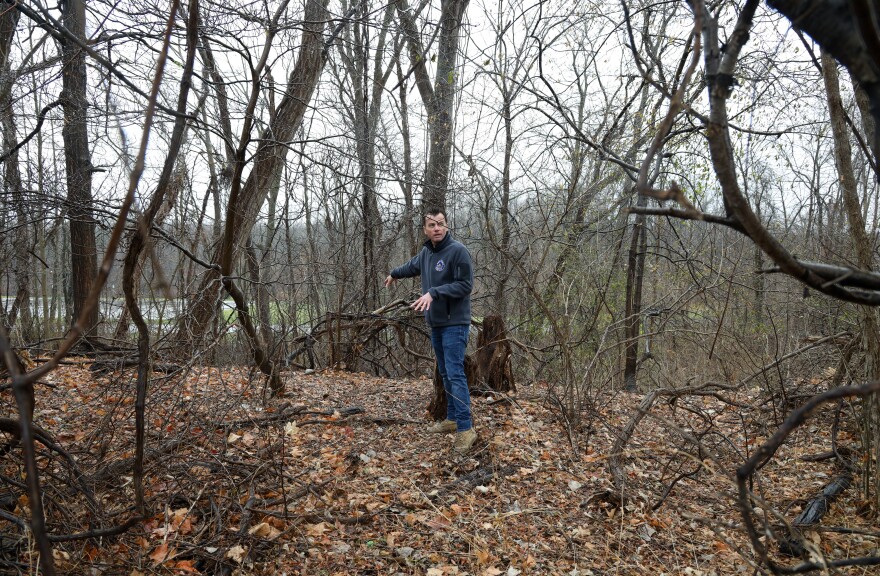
(464, 441)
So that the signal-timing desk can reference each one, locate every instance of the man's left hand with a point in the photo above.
(423, 303)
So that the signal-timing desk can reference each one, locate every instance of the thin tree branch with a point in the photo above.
(41, 117)
(58, 31)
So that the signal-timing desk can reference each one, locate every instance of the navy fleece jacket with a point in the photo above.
(447, 274)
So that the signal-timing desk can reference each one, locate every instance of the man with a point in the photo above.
(447, 280)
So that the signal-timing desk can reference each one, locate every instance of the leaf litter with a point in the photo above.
(340, 477)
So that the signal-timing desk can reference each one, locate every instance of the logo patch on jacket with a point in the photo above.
(440, 266)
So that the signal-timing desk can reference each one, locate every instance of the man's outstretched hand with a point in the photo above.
(389, 281)
(423, 303)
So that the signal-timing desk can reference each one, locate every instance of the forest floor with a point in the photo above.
(339, 477)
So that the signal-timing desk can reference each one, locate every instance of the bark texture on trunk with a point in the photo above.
(493, 370)
(635, 274)
(863, 249)
(439, 97)
(22, 241)
(78, 164)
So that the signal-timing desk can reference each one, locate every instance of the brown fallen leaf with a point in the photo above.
(162, 553)
(316, 530)
(264, 530)
(186, 566)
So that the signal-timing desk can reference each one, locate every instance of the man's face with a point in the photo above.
(435, 227)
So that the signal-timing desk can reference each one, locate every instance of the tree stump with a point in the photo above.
(437, 407)
(488, 370)
(493, 371)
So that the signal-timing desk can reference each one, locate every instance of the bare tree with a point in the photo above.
(651, 64)
(139, 243)
(864, 257)
(21, 245)
(438, 97)
(77, 157)
(248, 195)
(364, 84)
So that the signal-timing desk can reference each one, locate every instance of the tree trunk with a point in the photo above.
(163, 197)
(635, 273)
(868, 124)
(500, 300)
(314, 298)
(406, 183)
(635, 270)
(493, 371)
(20, 310)
(44, 235)
(439, 98)
(245, 200)
(171, 183)
(21, 242)
(78, 164)
(367, 90)
(261, 295)
(862, 245)
(440, 119)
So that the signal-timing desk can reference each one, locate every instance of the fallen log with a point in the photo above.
(820, 504)
(812, 514)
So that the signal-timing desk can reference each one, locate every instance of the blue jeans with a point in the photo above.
(449, 344)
